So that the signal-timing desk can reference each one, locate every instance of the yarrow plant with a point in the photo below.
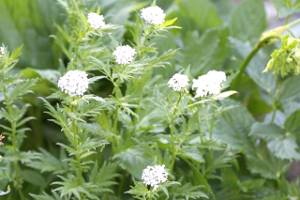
(178, 82)
(2, 50)
(124, 54)
(74, 83)
(96, 21)
(209, 84)
(154, 175)
(153, 15)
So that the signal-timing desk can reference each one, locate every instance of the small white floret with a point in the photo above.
(154, 175)
(124, 54)
(209, 84)
(153, 15)
(96, 21)
(178, 82)
(74, 83)
(2, 50)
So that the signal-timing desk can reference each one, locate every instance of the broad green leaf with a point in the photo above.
(289, 89)
(225, 8)
(191, 153)
(266, 131)
(232, 128)
(292, 123)
(47, 74)
(260, 161)
(133, 160)
(248, 20)
(34, 178)
(188, 191)
(29, 23)
(284, 148)
(202, 12)
(206, 52)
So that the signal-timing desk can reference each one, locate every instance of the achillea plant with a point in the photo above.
(13, 120)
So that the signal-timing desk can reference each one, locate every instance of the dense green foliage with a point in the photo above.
(237, 145)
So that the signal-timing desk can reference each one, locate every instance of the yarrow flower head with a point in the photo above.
(2, 51)
(2, 137)
(124, 54)
(154, 175)
(178, 82)
(95, 20)
(74, 83)
(153, 15)
(209, 84)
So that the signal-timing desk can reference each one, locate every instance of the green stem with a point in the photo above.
(263, 42)
(75, 144)
(117, 94)
(18, 180)
(172, 131)
(14, 143)
(293, 23)
(254, 51)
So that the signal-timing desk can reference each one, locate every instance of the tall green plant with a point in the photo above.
(13, 120)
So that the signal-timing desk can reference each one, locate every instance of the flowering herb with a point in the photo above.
(178, 82)
(74, 83)
(124, 54)
(154, 175)
(153, 15)
(96, 21)
(209, 84)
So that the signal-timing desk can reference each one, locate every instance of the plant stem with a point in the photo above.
(254, 51)
(14, 143)
(172, 131)
(264, 41)
(293, 23)
(75, 144)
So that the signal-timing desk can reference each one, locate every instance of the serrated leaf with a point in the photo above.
(248, 20)
(133, 160)
(284, 148)
(266, 131)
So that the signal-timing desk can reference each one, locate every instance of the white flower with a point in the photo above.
(124, 54)
(2, 50)
(153, 15)
(154, 175)
(178, 82)
(74, 83)
(209, 84)
(95, 20)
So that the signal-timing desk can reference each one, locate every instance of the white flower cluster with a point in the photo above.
(2, 137)
(124, 54)
(209, 84)
(95, 20)
(153, 15)
(178, 82)
(154, 175)
(2, 50)
(74, 83)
